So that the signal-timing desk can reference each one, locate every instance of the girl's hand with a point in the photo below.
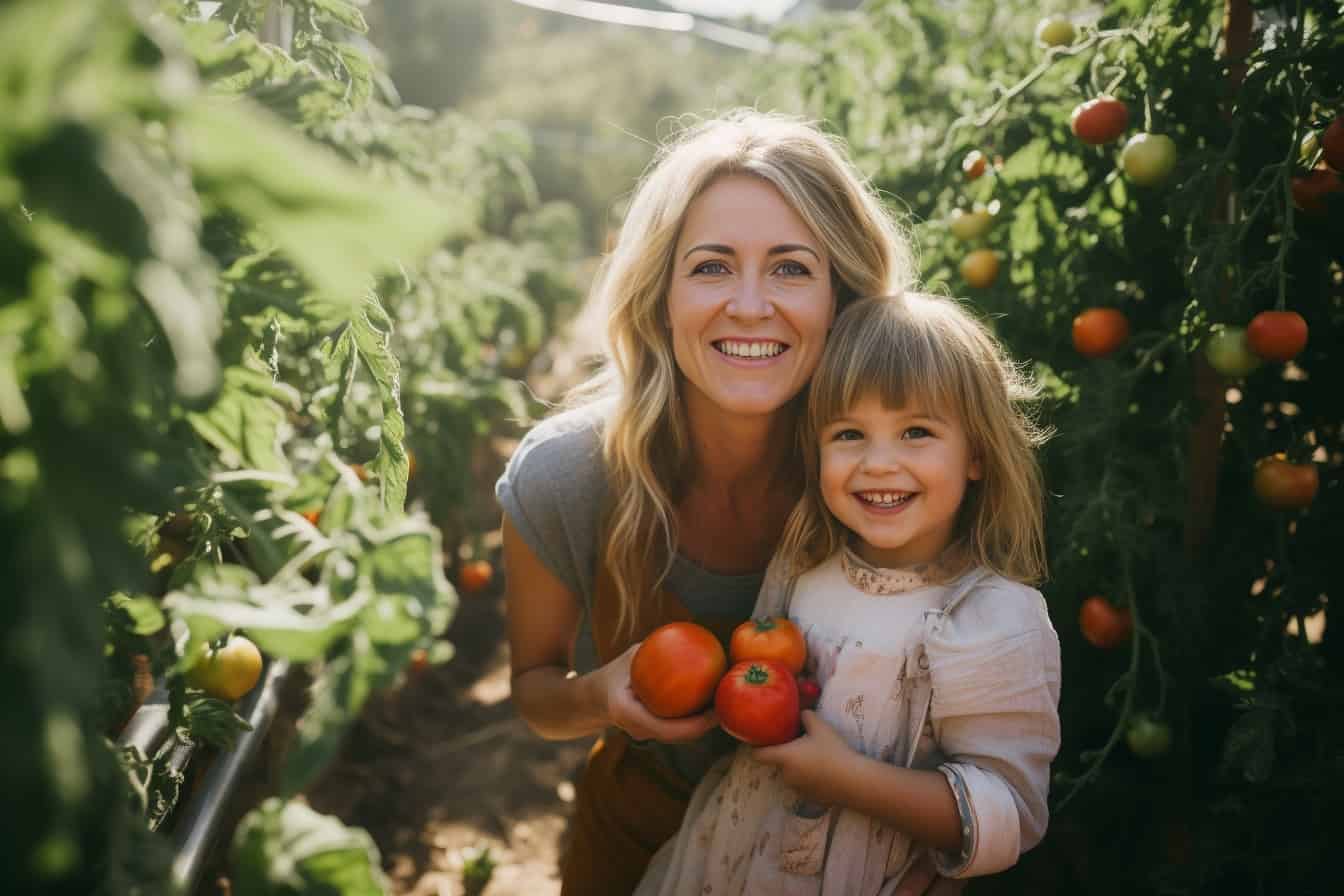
(625, 711)
(814, 763)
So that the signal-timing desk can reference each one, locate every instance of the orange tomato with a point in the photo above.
(769, 638)
(1099, 120)
(1277, 335)
(475, 575)
(1310, 190)
(1098, 332)
(676, 669)
(1283, 485)
(1103, 624)
(974, 164)
(980, 268)
(228, 672)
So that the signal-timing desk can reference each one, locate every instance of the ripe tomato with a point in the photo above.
(967, 226)
(974, 164)
(1311, 189)
(809, 693)
(757, 703)
(1229, 353)
(1283, 485)
(769, 638)
(1055, 31)
(1098, 332)
(676, 669)
(228, 672)
(1148, 737)
(1332, 142)
(474, 576)
(1099, 120)
(980, 268)
(1104, 624)
(1148, 159)
(419, 663)
(1277, 335)
(313, 515)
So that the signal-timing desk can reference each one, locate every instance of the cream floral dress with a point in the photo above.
(906, 666)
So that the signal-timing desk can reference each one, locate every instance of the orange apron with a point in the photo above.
(628, 801)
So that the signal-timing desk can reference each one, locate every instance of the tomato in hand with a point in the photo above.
(1148, 737)
(809, 693)
(1098, 332)
(475, 575)
(1277, 335)
(1283, 485)
(1104, 624)
(1332, 144)
(980, 268)
(769, 638)
(1099, 120)
(1229, 354)
(757, 703)
(676, 669)
(228, 672)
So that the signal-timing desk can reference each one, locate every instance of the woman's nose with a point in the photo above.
(750, 302)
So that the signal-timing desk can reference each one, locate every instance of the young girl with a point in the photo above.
(906, 565)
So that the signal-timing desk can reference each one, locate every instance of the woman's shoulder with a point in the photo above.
(558, 463)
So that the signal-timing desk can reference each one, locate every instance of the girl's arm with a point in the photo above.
(543, 616)
(823, 768)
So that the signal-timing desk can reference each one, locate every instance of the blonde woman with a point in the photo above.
(910, 561)
(664, 494)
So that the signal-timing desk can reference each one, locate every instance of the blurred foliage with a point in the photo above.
(1223, 595)
(229, 268)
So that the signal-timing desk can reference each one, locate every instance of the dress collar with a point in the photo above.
(879, 581)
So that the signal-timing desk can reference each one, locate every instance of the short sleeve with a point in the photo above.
(995, 672)
(553, 490)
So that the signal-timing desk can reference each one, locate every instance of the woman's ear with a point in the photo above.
(976, 470)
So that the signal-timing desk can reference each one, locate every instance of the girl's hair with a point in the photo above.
(930, 351)
(646, 447)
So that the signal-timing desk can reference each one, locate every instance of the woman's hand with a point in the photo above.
(625, 711)
(813, 764)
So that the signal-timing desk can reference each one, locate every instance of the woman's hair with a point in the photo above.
(930, 351)
(647, 448)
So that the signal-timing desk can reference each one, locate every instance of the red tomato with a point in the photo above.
(769, 638)
(475, 575)
(1103, 623)
(974, 164)
(757, 703)
(1098, 332)
(1311, 189)
(1283, 485)
(1099, 120)
(1277, 335)
(1332, 143)
(809, 693)
(676, 669)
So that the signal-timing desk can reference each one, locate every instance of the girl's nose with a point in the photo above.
(881, 459)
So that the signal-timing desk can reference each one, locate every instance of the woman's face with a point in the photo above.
(750, 301)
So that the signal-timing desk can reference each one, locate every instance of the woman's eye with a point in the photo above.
(710, 267)
(793, 269)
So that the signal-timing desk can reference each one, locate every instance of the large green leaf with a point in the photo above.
(288, 849)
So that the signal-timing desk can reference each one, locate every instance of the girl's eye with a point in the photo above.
(710, 267)
(847, 435)
(793, 268)
(917, 432)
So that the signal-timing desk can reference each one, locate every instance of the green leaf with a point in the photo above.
(288, 849)
(246, 423)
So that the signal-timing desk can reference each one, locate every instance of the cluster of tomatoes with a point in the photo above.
(680, 669)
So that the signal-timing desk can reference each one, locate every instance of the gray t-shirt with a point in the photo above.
(554, 490)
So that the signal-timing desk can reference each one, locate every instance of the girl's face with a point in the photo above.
(750, 301)
(895, 478)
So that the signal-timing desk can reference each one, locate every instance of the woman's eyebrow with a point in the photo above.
(782, 249)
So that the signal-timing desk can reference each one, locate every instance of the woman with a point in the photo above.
(663, 493)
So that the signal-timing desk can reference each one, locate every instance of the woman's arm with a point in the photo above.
(543, 616)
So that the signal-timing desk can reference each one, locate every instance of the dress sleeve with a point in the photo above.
(553, 490)
(995, 672)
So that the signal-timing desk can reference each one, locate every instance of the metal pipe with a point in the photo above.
(200, 820)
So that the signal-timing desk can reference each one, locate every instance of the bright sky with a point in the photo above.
(767, 10)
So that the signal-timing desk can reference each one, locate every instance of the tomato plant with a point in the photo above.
(1099, 332)
(769, 638)
(1103, 623)
(1099, 120)
(1148, 159)
(228, 671)
(757, 703)
(980, 268)
(1283, 485)
(676, 669)
(1277, 335)
(1229, 353)
(475, 576)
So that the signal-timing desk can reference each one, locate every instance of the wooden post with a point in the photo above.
(1206, 436)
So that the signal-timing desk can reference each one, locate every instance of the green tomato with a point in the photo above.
(1229, 353)
(967, 226)
(1056, 31)
(1148, 737)
(1148, 159)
